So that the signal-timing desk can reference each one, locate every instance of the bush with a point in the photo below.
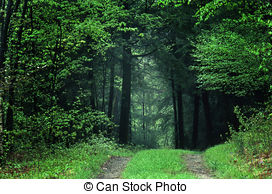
(254, 136)
(253, 142)
(54, 127)
(80, 161)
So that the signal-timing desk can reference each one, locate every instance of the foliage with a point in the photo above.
(149, 164)
(227, 164)
(234, 48)
(238, 53)
(61, 55)
(176, 3)
(110, 146)
(253, 141)
(254, 136)
(219, 159)
(76, 162)
(54, 127)
(81, 161)
(248, 151)
(52, 50)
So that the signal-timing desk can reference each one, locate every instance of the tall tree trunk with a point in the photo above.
(92, 88)
(93, 101)
(195, 120)
(4, 22)
(143, 116)
(35, 108)
(116, 106)
(126, 91)
(116, 111)
(1, 126)
(116, 103)
(9, 116)
(143, 107)
(209, 129)
(130, 128)
(103, 87)
(4, 32)
(180, 117)
(175, 110)
(111, 95)
(9, 121)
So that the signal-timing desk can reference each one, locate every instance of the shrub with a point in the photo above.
(253, 142)
(54, 127)
(254, 136)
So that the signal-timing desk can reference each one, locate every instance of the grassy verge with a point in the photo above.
(226, 163)
(82, 161)
(157, 164)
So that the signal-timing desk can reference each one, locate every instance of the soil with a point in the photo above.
(195, 164)
(113, 168)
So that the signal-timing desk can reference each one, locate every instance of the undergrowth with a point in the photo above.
(82, 161)
(248, 152)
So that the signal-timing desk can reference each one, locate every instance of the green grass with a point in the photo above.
(79, 162)
(157, 164)
(229, 165)
(84, 161)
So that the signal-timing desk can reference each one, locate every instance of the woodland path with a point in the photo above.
(113, 168)
(196, 165)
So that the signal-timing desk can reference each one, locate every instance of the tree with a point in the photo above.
(126, 92)
(234, 66)
(50, 51)
(239, 39)
(111, 94)
(138, 24)
(195, 120)
(175, 110)
(14, 68)
(209, 128)
(5, 19)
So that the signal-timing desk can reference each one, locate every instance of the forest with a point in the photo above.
(83, 82)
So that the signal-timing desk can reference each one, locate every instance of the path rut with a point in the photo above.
(113, 168)
(195, 164)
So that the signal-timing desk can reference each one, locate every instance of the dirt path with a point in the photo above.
(113, 168)
(195, 164)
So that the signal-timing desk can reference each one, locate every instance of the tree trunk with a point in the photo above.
(195, 121)
(126, 91)
(92, 88)
(143, 108)
(4, 32)
(93, 102)
(143, 116)
(116, 103)
(209, 129)
(9, 121)
(4, 22)
(103, 88)
(175, 110)
(116, 111)
(180, 117)
(1, 126)
(111, 95)
(130, 127)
